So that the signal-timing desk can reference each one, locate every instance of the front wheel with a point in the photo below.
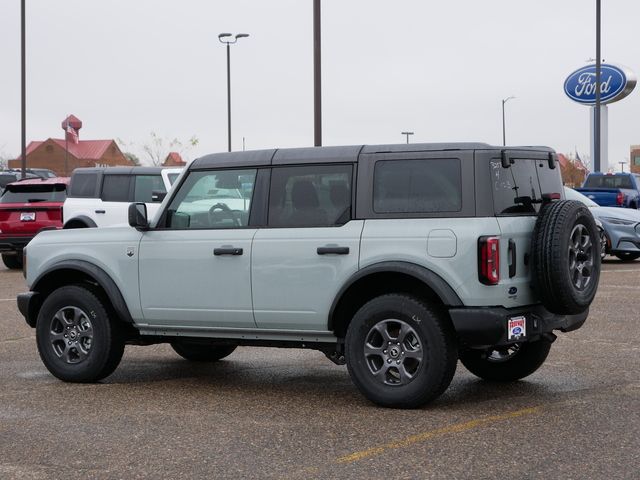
(77, 339)
(627, 256)
(202, 353)
(400, 352)
(506, 364)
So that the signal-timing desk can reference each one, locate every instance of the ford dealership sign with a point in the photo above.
(615, 83)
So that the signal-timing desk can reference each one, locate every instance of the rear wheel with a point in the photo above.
(506, 364)
(627, 256)
(400, 352)
(14, 262)
(196, 352)
(77, 339)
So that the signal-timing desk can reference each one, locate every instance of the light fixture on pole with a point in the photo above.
(229, 39)
(504, 131)
(407, 134)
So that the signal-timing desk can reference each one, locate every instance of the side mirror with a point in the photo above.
(158, 195)
(138, 216)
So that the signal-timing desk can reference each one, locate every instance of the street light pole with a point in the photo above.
(504, 131)
(225, 38)
(317, 76)
(407, 134)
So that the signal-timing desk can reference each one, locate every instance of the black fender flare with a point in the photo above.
(434, 281)
(81, 218)
(101, 277)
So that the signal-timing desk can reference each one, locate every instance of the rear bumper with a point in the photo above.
(489, 326)
(14, 244)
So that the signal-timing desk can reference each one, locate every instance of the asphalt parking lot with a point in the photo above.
(270, 413)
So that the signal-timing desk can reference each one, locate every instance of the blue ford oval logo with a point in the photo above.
(615, 84)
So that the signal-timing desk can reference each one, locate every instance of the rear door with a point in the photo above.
(309, 248)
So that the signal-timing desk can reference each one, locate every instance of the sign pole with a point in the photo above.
(596, 129)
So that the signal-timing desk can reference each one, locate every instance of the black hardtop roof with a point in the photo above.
(349, 154)
(120, 170)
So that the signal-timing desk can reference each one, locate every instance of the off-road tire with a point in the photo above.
(107, 342)
(627, 256)
(527, 359)
(425, 326)
(13, 262)
(557, 280)
(195, 352)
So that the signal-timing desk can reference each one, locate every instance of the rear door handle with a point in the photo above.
(333, 250)
(101, 211)
(227, 251)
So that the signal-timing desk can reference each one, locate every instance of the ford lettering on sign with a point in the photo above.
(616, 82)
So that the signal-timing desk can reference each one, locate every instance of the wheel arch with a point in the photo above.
(79, 271)
(81, 221)
(387, 277)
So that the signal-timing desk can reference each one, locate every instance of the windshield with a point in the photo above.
(34, 193)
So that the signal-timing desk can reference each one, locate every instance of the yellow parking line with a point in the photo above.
(421, 437)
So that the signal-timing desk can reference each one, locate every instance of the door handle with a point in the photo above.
(333, 250)
(101, 211)
(227, 251)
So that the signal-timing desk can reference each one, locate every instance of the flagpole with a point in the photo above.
(66, 147)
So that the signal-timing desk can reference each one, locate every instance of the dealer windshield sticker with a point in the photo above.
(517, 328)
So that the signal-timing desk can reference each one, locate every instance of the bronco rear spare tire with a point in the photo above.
(566, 257)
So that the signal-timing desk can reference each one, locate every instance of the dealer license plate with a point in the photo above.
(28, 216)
(517, 328)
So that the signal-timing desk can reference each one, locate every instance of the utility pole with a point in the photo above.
(596, 118)
(317, 78)
(23, 102)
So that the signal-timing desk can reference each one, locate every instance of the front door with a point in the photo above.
(195, 265)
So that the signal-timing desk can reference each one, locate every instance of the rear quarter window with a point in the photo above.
(417, 186)
(83, 185)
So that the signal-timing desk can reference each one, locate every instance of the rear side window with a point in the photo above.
(608, 181)
(417, 186)
(115, 188)
(83, 185)
(145, 185)
(34, 193)
(310, 196)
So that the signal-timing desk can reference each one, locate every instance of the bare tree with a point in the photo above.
(157, 148)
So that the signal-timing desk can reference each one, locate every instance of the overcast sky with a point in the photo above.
(440, 69)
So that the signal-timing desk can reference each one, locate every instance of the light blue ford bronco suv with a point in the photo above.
(398, 260)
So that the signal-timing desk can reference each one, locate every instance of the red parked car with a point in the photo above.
(27, 207)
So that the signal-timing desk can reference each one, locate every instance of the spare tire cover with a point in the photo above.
(565, 257)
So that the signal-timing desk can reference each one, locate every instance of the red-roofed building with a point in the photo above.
(64, 155)
(174, 159)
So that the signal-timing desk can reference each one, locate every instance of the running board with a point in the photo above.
(239, 333)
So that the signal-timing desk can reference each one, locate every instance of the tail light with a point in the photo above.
(489, 260)
(620, 198)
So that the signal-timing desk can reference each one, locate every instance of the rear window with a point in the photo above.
(608, 181)
(83, 185)
(417, 186)
(115, 188)
(34, 193)
(518, 190)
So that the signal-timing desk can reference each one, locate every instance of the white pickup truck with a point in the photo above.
(99, 197)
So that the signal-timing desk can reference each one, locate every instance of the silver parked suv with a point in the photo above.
(396, 259)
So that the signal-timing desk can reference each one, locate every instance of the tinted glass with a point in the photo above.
(608, 181)
(5, 179)
(115, 188)
(212, 199)
(145, 185)
(515, 189)
(308, 196)
(34, 193)
(83, 185)
(417, 186)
